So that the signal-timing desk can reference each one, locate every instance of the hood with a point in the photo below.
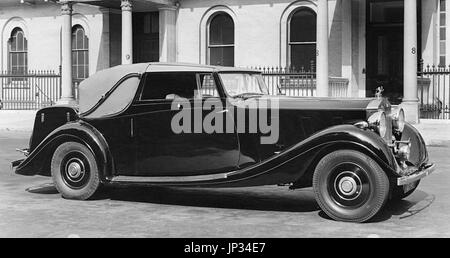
(332, 104)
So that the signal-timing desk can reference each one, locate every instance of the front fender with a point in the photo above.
(297, 163)
(38, 162)
(352, 137)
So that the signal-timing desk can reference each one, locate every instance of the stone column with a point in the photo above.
(347, 62)
(127, 31)
(322, 49)
(104, 57)
(167, 34)
(67, 89)
(410, 97)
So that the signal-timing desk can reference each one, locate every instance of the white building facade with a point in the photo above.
(368, 43)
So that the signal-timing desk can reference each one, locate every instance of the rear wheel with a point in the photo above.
(350, 186)
(75, 171)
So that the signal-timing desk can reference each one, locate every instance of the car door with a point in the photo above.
(219, 138)
(164, 151)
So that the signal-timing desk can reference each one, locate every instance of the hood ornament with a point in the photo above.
(379, 92)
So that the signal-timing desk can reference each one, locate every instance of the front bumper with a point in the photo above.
(416, 175)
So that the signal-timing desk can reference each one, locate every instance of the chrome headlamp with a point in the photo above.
(378, 122)
(398, 120)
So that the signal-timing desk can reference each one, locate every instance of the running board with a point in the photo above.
(168, 179)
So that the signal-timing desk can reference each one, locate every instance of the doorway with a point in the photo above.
(384, 48)
(145, 37)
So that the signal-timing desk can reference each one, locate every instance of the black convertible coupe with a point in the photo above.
(204, 126)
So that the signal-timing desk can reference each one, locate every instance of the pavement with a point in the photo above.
(17, 120)
(31, 207)
(435, 132)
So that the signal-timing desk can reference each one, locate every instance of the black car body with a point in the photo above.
(121, 133)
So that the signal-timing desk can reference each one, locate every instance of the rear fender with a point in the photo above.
(38, 162)
(47, 120)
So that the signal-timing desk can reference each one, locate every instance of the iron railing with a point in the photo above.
(38, 89)
(434, 92)
(30, 91)
(300, 83)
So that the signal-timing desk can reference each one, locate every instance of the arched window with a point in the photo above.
(17, 52)
(80, 53)
(221, 40)
(302, 39)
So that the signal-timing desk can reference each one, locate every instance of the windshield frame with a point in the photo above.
(264, 91)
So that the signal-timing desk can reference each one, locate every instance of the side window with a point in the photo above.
(208, 86)
(168, 86)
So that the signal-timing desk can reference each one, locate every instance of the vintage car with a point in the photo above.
(356, 153)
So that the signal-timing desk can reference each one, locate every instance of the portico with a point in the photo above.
(393, 50)
(167, 34)
(409, 100)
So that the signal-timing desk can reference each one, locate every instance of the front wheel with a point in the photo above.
(75, 171)
(350, 186)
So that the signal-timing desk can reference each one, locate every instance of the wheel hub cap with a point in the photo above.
(347, 186)
(75, 170)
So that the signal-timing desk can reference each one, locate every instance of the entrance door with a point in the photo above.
(145, 37)
(384, 47)
(385, 62)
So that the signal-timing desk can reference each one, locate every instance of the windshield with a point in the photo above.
(238, 84)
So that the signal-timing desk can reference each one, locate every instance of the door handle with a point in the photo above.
(132, 127)
(223, 111)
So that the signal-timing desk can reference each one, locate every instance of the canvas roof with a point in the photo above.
(93, 89)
